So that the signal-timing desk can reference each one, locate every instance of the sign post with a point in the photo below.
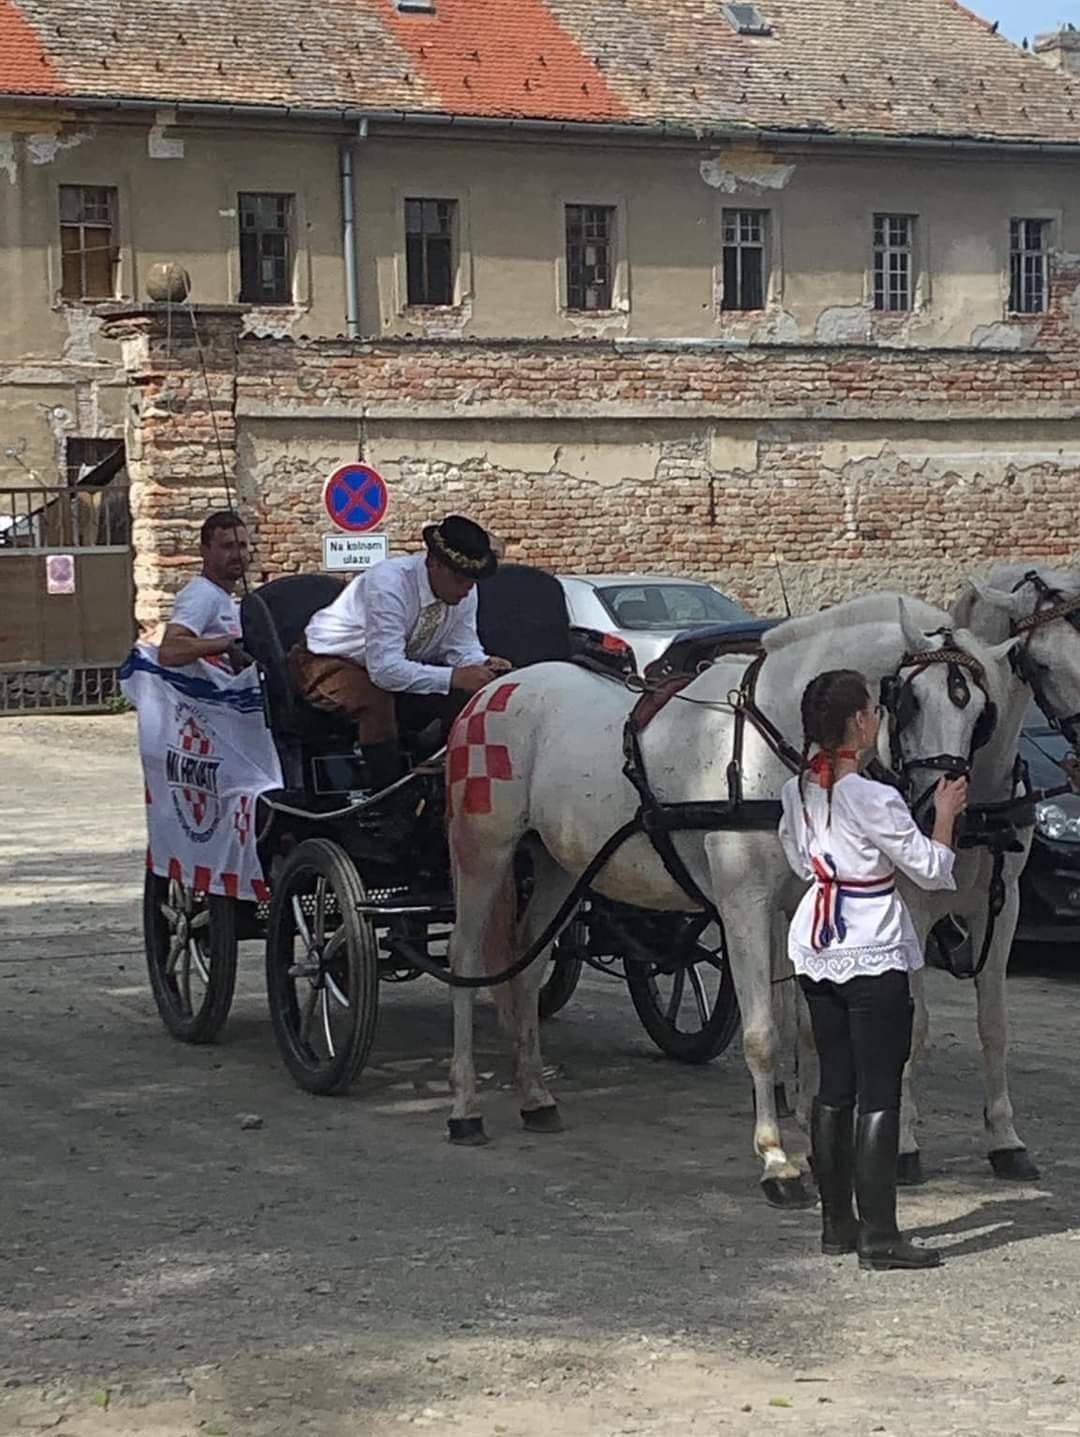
(355, 500)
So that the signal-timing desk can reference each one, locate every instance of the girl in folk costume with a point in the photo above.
(853, 945)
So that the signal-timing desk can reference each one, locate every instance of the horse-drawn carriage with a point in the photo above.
(344, 908)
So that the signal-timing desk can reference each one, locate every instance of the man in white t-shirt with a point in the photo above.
(205, 622)
(400, 643)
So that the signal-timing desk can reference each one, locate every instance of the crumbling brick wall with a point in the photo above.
(848, 466)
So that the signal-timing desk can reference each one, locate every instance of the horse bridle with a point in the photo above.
(900, 703)
(1027, 668)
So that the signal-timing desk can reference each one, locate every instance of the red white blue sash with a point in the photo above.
(829, 899)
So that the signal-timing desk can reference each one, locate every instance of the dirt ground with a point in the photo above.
(341, 1270)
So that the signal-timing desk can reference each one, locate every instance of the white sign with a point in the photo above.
(342, 553)
(60, 574)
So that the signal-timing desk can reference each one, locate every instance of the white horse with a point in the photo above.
(537, 759)
(1049, 651)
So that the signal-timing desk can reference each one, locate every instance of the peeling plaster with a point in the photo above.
(83, 329)
(1002, 336)
(762, 174)
(599, 328)
(273, 323)
(779, 328)
(1072, 309)
(43, 146)
(159, 147)
(843, 324)
(8, 162)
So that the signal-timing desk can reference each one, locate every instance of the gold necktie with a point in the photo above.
(423, 630)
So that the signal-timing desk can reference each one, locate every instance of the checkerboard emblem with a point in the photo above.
(472, 763)
(194, 741)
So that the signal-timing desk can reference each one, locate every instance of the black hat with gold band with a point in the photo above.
(462, 546)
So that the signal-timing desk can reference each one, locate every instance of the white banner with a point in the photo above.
(206, 755)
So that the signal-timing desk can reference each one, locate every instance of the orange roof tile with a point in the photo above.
(924, 69)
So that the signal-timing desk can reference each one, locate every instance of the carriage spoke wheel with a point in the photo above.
(686, 1002)
(191, 957)
(322, 973)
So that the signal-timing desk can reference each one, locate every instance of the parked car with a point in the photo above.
(645, 611)
(1050, 885)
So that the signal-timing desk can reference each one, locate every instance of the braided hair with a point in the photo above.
(828, 703)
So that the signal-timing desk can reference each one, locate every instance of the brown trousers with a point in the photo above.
(340, 685)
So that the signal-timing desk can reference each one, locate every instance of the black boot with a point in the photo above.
(881, 1247)
(390, 821)
(832, 1135)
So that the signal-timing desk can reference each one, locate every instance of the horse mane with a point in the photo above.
(869, 609)
(1007, 576)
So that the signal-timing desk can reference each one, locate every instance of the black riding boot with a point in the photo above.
(881, 1247)
(832, 1135)
(388, 822)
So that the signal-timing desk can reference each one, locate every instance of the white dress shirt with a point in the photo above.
(389, 621)
(845, 931)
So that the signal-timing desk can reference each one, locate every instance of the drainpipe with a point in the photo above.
(348, 235)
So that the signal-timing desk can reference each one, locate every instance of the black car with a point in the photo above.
(1050, 885)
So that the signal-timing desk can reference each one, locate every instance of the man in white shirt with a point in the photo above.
(206, 617)
(401, 641)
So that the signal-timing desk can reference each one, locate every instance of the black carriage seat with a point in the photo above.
(522, 616)
(689, 650)
(274, 618)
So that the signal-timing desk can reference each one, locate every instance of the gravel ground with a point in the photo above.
(341, 1270)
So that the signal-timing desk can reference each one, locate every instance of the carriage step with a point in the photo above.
(436, 909)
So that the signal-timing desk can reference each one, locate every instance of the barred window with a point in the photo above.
(265, 249)
(88, 249)
(894, 262)
(1029, 274)
(590, 233)
(430, 262)
(744, 259)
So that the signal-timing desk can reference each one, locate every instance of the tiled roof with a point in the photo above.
(921, 68)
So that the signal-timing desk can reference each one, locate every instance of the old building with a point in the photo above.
(642, 283)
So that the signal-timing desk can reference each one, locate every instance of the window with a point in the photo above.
(265, 257)
(894, 265)
(429, 251)
(746, 20)
(744, 259)
(1029, 275)
(88, 249)
(590, 231)
(667, 605)
(81, 456)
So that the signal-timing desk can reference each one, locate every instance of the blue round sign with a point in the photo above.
(355, 497)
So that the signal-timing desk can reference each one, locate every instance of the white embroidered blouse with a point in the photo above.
(851, 921)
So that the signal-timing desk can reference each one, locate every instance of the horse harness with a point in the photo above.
(1052, 605)
(659, 821)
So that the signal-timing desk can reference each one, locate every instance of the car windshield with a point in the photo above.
(667, 606)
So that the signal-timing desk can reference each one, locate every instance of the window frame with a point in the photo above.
(289, 232)
(1047, 223)
(611, 246)
(763, 244)
(452, 234)
(115, 247)
(598, 196)
(885, 250)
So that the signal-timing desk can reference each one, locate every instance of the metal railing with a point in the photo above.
(39, 520)
(93, 689)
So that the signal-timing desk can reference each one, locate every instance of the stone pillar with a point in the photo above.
(181, 439)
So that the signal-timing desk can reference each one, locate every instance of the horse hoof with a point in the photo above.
(787, 1193)
(909, 1173)
(542, 1120)
(1015, 1165)
(467, 1132)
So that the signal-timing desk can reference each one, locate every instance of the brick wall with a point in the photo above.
(852, 466)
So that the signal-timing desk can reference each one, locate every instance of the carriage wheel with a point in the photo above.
(558, 987)
(322, 968)
(687, 1005)
(191, 950)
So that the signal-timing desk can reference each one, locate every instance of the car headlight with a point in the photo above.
(1059, 819)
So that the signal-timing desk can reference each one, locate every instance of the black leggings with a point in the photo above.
(862, 1029)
